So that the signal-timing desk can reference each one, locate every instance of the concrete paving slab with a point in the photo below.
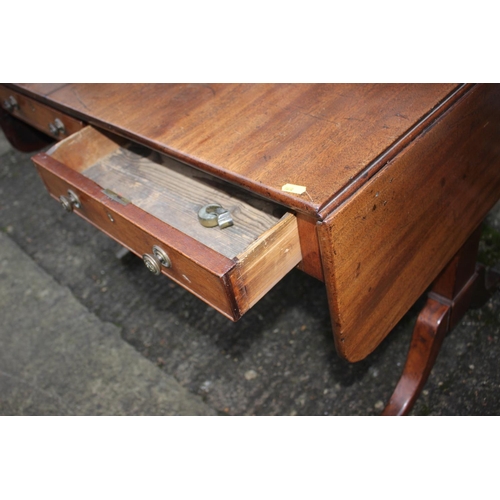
(57, 358)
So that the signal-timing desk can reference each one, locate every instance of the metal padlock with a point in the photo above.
(213, 214)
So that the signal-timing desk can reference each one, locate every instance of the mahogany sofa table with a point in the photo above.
(377, 190)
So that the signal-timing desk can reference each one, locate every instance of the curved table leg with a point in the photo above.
(448, 300)
(428, 334)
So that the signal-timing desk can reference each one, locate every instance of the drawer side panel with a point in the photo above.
(266, 261)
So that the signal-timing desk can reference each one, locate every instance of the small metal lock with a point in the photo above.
(158, 259)
(57, 127)
(213, 214)
(70, 202)
(10, 104)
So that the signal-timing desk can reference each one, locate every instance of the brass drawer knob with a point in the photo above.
(10, 104)
(155, 261)
(152, 263)
(69, 202)
(57, 127)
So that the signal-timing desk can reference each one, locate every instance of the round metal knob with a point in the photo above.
(57, 127)
(10, 104)
(66, 204)
(152, 263)
(70, 202)
(155, 262)
(162, 256)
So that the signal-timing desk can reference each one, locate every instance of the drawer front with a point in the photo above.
(230, 285)
(120, 222)
(50, 121)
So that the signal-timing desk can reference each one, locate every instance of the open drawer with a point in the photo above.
(149, 203)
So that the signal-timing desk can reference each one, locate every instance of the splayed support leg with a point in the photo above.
(447, 302)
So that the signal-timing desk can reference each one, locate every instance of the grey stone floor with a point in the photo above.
(83, 333)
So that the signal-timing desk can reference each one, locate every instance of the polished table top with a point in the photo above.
(329, 138)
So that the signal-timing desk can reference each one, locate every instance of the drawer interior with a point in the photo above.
(142, 198)
(167, 189)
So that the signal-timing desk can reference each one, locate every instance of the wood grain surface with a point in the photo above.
(167, 189)
(385, 245)
(174, 193)
(265, 262)
(330, 138)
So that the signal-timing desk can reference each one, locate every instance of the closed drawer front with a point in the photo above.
(50, 121)
(145, 200)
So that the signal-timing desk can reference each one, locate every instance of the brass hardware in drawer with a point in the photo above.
(230, 269)
(213, 215)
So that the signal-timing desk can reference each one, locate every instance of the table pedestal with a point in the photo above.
(448, 300)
